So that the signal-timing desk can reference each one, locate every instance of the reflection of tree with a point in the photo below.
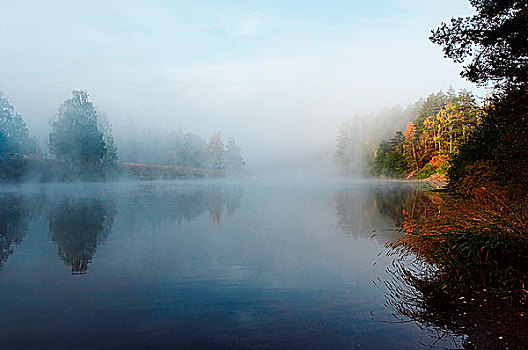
(350, 212)
(77, 227)
(14, 219)
(217, 200)
(215, 205)
(184, 204)
(359, 211)
(479, 320)
(400, 202)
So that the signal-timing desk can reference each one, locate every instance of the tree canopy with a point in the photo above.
(495, 41)
(13, 131)
(76, 137)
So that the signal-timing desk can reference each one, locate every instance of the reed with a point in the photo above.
(476, 240)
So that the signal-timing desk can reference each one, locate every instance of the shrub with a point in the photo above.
(426, 171)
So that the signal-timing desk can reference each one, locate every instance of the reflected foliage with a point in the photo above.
(14, 221)
(399, 202)
(350, 212)
(362, 211)
(474, 241)
(477, 320)
(78, 227)
(183, 205)
(218, 200)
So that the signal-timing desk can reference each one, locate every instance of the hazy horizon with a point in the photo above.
(278, 77)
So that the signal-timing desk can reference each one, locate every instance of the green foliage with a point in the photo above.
(442, 123)
(431, 106)
(389, 161)
(358, 137)
(110, 148)
(443, 170)
(481, 237)
(13, 131)
(501, 139)
(76, 138)
(426, 171)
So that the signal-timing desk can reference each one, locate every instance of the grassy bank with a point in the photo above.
(49, 170)
(157, 172)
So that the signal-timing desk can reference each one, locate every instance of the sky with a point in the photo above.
(279, 76)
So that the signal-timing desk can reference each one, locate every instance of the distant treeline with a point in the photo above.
(81, 146)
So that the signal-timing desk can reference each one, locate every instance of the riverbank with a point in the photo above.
(165, 172)
(50, 170)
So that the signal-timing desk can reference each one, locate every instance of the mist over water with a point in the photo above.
(252, 263)
(192, 175)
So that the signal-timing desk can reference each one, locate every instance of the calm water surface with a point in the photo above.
(200, 264)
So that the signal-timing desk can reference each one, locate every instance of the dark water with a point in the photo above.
(199, 265)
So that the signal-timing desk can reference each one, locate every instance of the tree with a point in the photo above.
(77, 228)
(14, 223)
(350, 153)
(110, 148)
(75, 137)
(192, 152)
(388, 158)
(409, 143)
(216, 151)
(234, 161)
(495, 40)
(13, 131)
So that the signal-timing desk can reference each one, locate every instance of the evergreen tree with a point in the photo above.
(75, 137)
(495, 39)
(110, 148)
(234, 161)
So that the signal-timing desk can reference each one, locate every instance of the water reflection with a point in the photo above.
(80, 221)
(377, 211)
(199, 265)
(14, 221)
(413, 290)
(181, 204)
(351, 212)
(218, 200)
(478, 320)
(78, 226)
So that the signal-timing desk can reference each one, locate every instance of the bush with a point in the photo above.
(426, 171)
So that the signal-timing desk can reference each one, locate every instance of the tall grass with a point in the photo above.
(480, 239)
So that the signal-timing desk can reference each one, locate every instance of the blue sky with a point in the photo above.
(275, 74)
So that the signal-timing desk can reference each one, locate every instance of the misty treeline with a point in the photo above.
(81, 146)
(414, 140)
(159, 147)
(419, 140)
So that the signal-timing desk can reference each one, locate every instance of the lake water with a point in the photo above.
(200, 264)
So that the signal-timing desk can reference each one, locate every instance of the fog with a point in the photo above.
(279, 78)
